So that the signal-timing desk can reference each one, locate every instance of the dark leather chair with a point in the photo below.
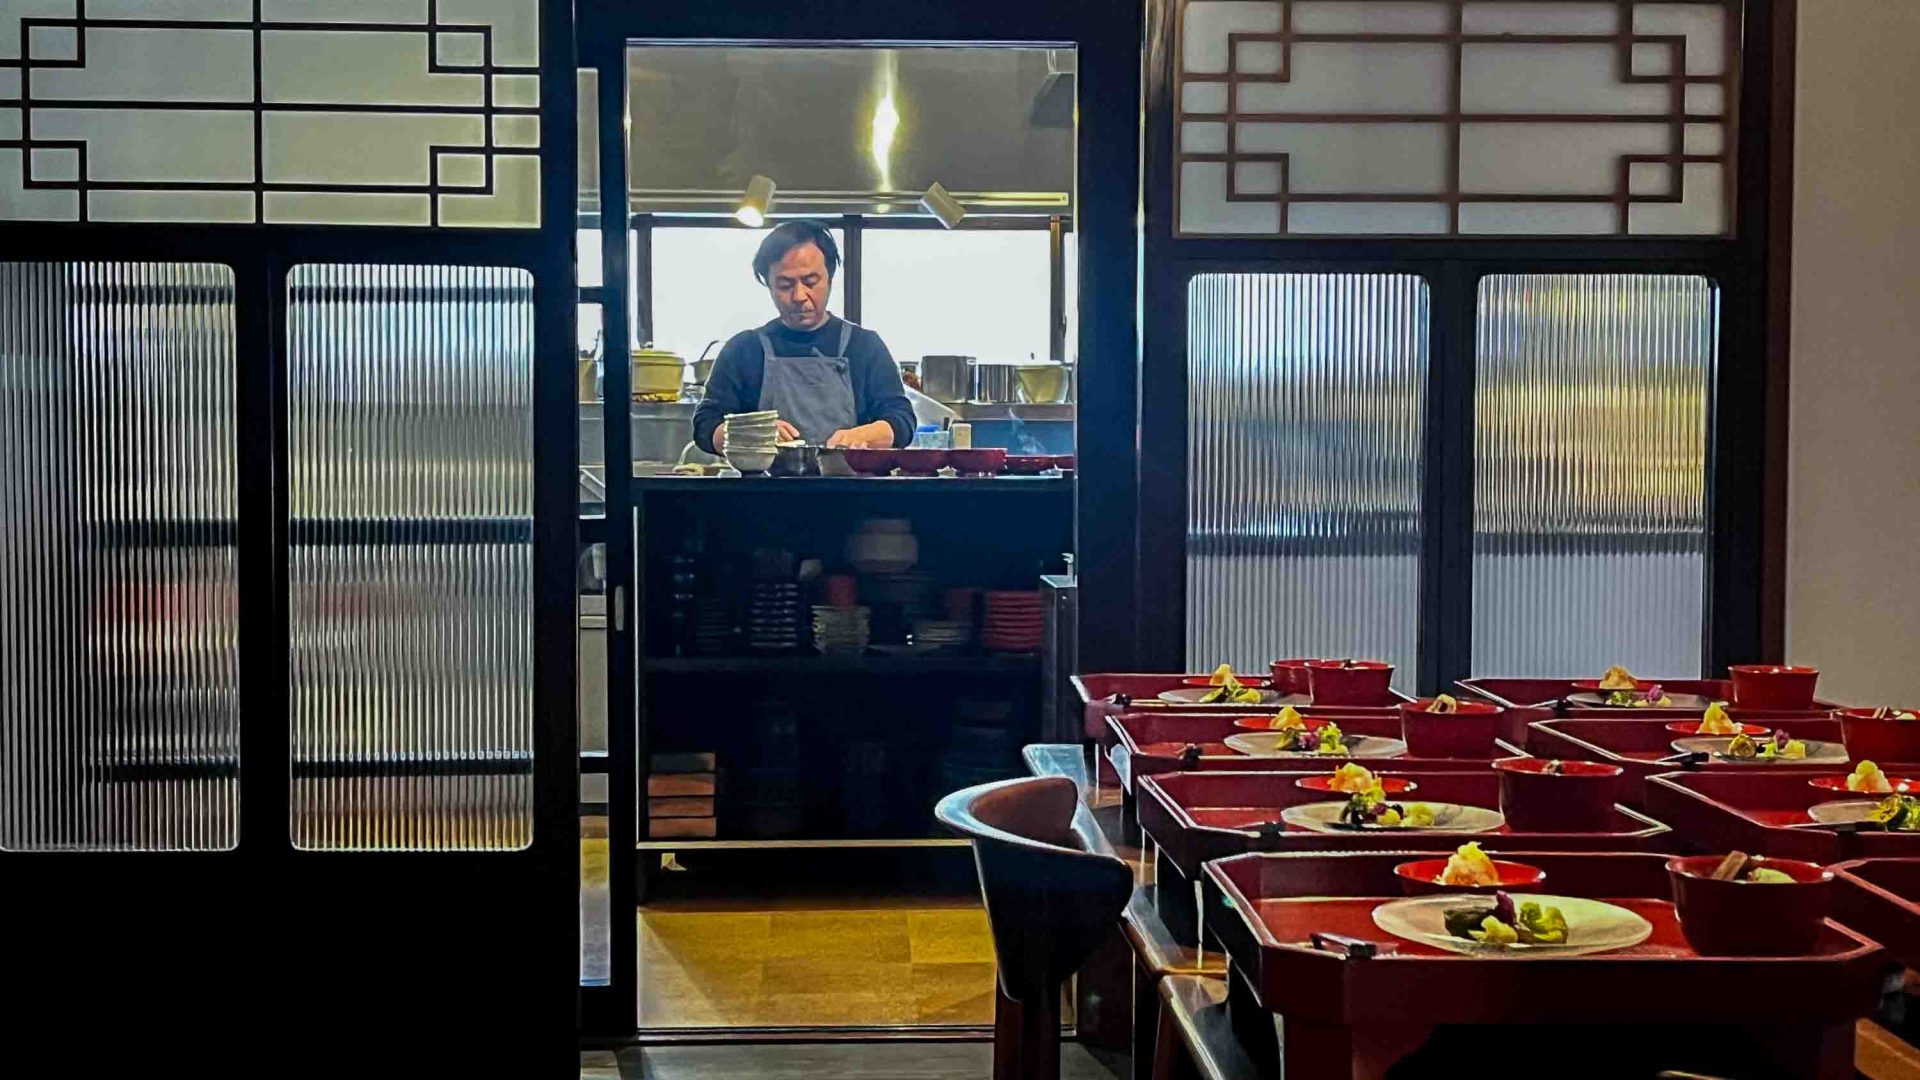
(1051, 901)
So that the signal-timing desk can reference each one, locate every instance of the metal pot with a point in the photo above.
(995, 384)
(946, 379)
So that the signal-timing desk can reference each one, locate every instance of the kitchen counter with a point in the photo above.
(863, 485)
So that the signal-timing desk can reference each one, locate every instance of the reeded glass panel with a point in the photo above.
(410, 486)
(1306, 396)
(1590, 442)
(374, 112)
(1467, 117)
(119, 667)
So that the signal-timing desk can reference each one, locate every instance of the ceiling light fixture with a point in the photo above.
(942, 205)
(756, 203)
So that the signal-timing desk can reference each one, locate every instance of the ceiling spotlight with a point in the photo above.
(757, 203)
(943, 206)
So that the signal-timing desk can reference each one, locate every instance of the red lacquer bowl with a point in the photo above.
(1028, 464)
(1773, 686)
(1900, 784)
(1879, 740)
(920, 462)
(1468, 733)
(1349, 682)
(1422, 877)
(1741, 918)
(1392, 785)
(1692, 727)
(1265, 723)
(1205, 682)
(978, 461)
(1578, 798)
(1063, 462)
(870, 462)
(1290, 676)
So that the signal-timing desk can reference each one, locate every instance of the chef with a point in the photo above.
(833, 383)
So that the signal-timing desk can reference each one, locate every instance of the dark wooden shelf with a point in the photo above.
(808, 664)
(864, 485)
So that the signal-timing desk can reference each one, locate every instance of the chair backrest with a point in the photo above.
(1050, 900)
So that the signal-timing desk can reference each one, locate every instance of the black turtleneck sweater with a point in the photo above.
(734, 384)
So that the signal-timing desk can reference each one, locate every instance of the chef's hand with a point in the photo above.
(785, 431)
(877, 433)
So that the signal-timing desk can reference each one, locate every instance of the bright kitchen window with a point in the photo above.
(703, 287)
(967, 292)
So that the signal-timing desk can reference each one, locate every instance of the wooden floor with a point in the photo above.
(808, 962)
(846, 1061)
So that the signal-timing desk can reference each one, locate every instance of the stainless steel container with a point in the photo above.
(946, 379)
(995, 384)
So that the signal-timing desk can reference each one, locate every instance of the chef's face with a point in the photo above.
(800, 286)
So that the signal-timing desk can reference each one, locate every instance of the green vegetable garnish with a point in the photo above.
(1542, 926)
(1764, 876)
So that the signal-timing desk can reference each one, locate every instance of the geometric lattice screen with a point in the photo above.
(1456, 117)
(332, 112)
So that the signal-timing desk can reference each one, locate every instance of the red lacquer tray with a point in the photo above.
(1638, 744)
(1526, 700)
(1881, 899)
(1194, 818)
(1152, 741)
(1098, 695)
(1350, 1016)
(1737, 809)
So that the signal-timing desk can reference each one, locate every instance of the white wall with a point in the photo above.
(1853, 551)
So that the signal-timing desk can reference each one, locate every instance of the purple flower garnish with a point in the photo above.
(1654, 694)
(1503, 907)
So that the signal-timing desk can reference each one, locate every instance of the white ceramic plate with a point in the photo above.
(1191, 695)
(1324, 817)
(1842, 811)
(1593, 926)
(1818, 753)
(1264, 743)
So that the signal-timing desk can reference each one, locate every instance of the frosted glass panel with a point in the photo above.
(119, 668)
(1375, 117)
(910, 278)
(410, 484)
(1305, 450)
(1590, 473)
(369, 112)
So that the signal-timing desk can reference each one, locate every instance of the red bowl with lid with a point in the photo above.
(1539, 795)
(1028, 464)
(1421, 877)
(1349, 682)
(1880, 738)
(868, 461)
(1773, 686)
(920, 462)
(1466, 733)
(1746, 918)
(978, 461)
(1290, 676)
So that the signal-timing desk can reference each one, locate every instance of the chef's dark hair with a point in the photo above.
(790, 235)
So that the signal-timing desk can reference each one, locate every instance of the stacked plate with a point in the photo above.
(710, 627)
(947, 635)
(750, 440)
(773, 616)
(841, 631)
(1013, 622)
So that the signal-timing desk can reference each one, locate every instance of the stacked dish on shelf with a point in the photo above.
(943, 635)
(751, 440)
(1013, 621)
(711, 629)
(773, 624)
(841, 631)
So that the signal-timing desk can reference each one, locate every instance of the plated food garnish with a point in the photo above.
(1469, 866)
(1717, 722)
(1445, 703)
(1867, 777)
(1288, 719)
(1227, 689)
(1885, 713)
(1777, 748)
(1897, 813)
(1619, 688)
(1354, 779)
(1619, 678)
(1326, 740)
(1370, 810)
(1504, 923)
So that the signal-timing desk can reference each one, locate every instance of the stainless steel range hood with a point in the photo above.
(847, 130)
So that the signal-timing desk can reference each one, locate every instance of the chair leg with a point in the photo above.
(1040, 1037)
(1006, 1035)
